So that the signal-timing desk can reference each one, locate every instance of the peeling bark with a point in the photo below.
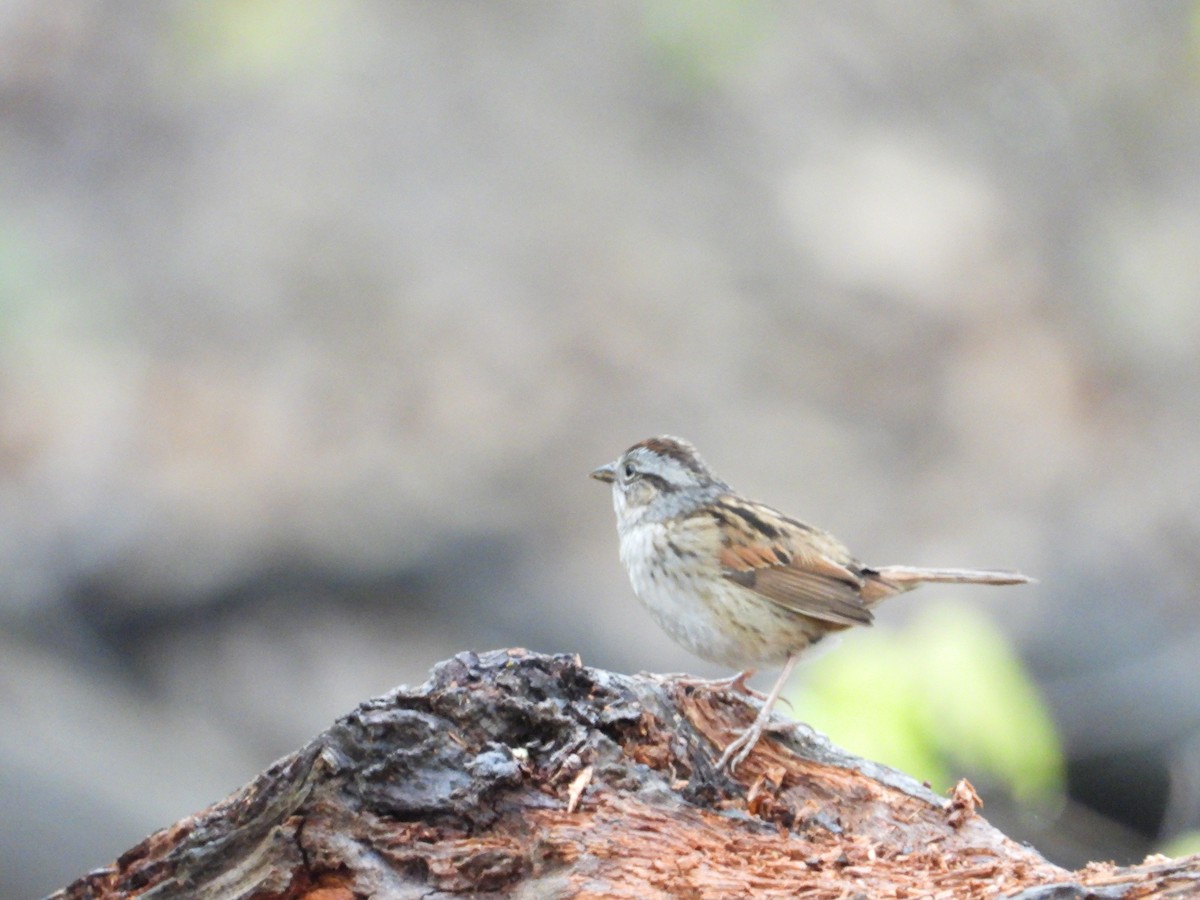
(514, 774)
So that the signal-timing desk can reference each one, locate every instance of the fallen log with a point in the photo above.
(514, 774)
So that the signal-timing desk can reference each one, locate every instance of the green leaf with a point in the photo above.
(944, 695)
(1182, 844)
(700, 41)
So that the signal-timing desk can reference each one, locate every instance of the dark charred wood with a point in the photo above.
(514, 774)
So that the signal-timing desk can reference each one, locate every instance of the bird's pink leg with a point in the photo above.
(736, 683)
(737, 751)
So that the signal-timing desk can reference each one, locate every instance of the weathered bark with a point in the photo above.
(514, 774)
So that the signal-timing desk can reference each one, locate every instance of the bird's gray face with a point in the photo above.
(658, 478)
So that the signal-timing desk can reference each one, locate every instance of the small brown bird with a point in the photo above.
(737, 582)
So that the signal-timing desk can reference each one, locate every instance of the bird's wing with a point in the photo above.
(799, 567)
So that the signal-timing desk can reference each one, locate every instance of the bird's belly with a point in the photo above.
(706, 613)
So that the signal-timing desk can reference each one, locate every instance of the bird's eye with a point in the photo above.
(629, 470)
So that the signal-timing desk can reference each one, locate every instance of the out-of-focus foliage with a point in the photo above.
(942, 697)
(1183, 844)
(261, 38)
(699, 41)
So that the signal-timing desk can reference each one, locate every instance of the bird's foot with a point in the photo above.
(740, 747)
(736, 683)
(737, 751)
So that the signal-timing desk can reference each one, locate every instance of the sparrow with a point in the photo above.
(737, 582)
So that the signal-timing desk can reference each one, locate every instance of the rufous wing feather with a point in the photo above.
(790, 564)
(808, 593)
(810, 572)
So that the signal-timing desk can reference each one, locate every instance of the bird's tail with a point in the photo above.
(906, 577)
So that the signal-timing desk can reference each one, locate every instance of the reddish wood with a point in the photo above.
(516, 774)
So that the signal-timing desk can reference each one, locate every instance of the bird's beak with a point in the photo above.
(606, 473)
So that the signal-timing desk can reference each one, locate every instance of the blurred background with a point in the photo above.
(314, 318)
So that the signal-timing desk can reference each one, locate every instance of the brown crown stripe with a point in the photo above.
(673, 449)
